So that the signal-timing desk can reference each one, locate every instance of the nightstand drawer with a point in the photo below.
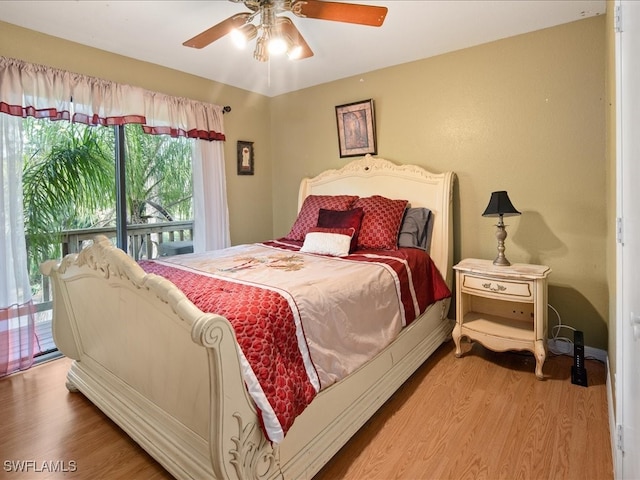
(519, 291)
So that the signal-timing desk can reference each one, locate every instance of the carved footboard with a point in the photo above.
(165, 372)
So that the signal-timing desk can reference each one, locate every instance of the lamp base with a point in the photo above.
(501, 261)
(501, 235)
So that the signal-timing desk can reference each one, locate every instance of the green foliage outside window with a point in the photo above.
(69, 182)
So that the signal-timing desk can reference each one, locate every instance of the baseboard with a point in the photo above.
(564, 348)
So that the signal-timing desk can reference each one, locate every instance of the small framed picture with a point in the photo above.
(356, 129)
(245, 158)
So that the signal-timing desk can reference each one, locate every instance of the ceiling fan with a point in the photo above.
(277, 34)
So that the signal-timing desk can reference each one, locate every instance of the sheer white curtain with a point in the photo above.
(17, 331)
(211, 213)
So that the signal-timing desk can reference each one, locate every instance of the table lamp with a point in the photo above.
(500, 206)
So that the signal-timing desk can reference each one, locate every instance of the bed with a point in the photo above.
(172, 376)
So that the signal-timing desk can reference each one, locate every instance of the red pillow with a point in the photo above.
(308, 216)
(342, 219)
(381, 222)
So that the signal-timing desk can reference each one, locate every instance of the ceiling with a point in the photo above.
(153, 31)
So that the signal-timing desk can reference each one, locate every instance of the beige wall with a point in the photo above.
(524, 114)
(249, 196)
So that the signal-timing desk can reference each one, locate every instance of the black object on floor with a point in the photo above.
(578, 370)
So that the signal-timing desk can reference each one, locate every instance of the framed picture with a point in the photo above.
(356, 129)
(245, 158)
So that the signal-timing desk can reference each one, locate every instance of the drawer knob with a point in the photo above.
(497, 288)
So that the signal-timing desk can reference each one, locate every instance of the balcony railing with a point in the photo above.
(144, 239)
(144, 242)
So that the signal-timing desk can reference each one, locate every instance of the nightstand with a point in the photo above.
(503, 308)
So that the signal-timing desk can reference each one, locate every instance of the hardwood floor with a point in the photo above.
(483, 416)
(42, 422)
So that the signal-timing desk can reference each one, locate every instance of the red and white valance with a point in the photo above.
(39, 91)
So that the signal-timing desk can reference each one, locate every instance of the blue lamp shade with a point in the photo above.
(499, 204)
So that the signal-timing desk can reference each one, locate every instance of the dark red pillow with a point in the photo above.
(342, 219)
(308, 215)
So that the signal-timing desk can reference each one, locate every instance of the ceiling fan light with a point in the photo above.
(243, 35)
(277, 46)
(294, 52)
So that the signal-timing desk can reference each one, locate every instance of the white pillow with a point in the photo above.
(327, 243)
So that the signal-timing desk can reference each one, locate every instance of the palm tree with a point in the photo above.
(69, 181)
(158, 171)
(68, 176)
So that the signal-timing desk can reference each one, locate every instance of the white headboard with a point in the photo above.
(375, 176)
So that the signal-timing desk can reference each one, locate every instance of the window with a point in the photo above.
(31, 90)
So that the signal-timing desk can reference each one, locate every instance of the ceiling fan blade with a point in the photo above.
(340, 12)
(288, 28)
(217, 31)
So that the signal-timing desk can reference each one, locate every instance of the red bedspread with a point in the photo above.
(267, 323)
(265, 330)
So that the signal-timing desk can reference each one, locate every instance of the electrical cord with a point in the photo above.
(553, 346)
(557, 339)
